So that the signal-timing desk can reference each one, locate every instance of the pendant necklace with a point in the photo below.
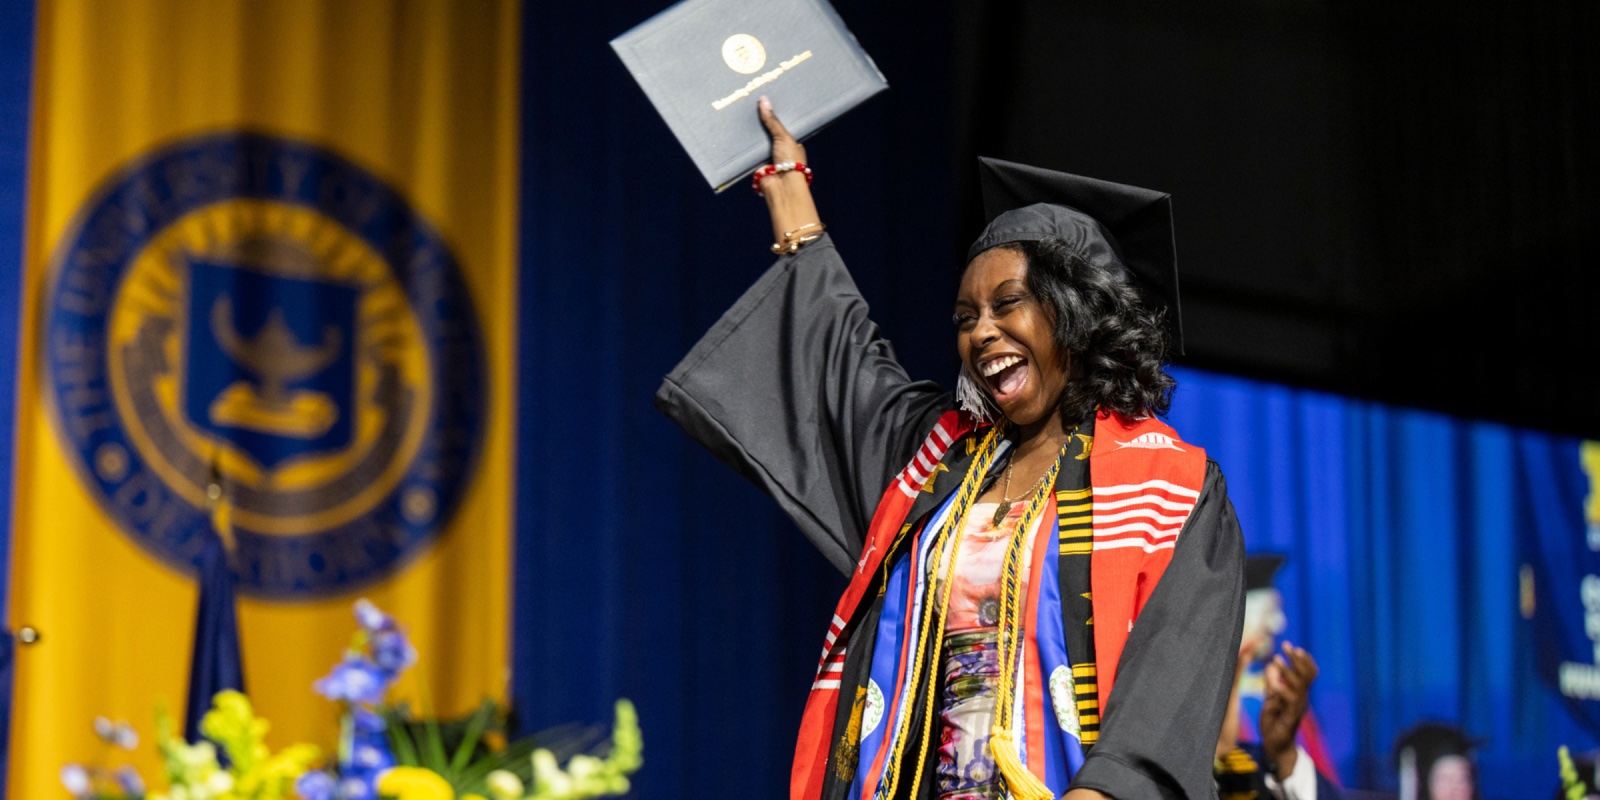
(1004, 508)
(1006, 503)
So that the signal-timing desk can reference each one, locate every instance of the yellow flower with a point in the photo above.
(414, 783)
(232, 723)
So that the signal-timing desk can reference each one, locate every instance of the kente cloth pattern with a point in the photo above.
(1147, 499)
(1239, 777)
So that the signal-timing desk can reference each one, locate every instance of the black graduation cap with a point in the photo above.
(1105, 222)
(1260, 569)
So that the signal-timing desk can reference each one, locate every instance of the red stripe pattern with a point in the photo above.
(1145, 515)
(911, 479)
(832, 664)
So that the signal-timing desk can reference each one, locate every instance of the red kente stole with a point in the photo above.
(1145, 482)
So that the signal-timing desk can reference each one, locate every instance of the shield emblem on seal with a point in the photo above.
(270, 358)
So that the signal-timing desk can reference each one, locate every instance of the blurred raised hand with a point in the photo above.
(1288, 679)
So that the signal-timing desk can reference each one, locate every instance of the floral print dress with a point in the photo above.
(971, 664)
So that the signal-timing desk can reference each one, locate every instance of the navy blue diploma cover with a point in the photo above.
(704, 63)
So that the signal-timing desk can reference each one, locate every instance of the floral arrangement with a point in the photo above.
(379, 653)
(383, 750)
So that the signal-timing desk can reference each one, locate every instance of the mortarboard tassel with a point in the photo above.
(1023, 784)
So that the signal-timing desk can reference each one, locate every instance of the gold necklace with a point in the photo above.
(1006, 503)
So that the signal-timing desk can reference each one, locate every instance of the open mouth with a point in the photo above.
(1006, 376)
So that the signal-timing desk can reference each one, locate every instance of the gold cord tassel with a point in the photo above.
(971, 486)
(1023, 784)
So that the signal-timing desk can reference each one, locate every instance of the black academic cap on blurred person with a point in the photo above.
(1101, 220)
(1420, 746)
(1259, 570)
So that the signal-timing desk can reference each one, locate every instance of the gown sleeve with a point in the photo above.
(1158, 734)
(794, 388)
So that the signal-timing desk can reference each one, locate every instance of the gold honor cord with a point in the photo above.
(1024, 785)
(970, 488)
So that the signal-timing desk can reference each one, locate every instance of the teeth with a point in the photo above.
(994, 367)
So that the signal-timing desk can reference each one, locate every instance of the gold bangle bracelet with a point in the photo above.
(787, 235)
(790, 243)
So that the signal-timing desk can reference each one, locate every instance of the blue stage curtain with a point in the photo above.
(16, 70)
(644, 568)
(1401, 528)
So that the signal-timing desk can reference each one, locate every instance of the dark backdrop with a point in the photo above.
(1391, 200)
(1383, 201)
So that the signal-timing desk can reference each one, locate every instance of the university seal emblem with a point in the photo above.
(261, 316)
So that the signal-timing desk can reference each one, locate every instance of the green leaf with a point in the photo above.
(433, 756)
(469, 740)
(400, 741)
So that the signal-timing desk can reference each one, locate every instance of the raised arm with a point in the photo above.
(794, 388)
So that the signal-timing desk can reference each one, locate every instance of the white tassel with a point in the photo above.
(971, 397)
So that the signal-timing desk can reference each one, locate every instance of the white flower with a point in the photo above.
(504, 785)
(76, 779)
(548, 777)
(219, 782)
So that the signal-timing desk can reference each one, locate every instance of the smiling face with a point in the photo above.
(1005, 335)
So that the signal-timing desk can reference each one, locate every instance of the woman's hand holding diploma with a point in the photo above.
(788, 194)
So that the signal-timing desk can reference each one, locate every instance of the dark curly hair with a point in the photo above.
(1118, 345)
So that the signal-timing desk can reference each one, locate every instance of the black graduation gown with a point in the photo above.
(794, 388)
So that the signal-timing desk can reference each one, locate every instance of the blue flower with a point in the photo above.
(315, 785)
(367, 757)
(393, 652)
(355, 789)
(118, 733)
(371, 619)
(130, 781)
(367, 722)
(355, 679)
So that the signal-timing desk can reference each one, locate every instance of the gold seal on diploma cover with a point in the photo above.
(744, 53)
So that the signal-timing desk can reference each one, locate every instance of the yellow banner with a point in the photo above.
(270, 249)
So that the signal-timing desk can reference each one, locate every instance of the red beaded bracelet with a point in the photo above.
(774, 169)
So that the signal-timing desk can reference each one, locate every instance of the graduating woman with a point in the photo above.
(1046, 583)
